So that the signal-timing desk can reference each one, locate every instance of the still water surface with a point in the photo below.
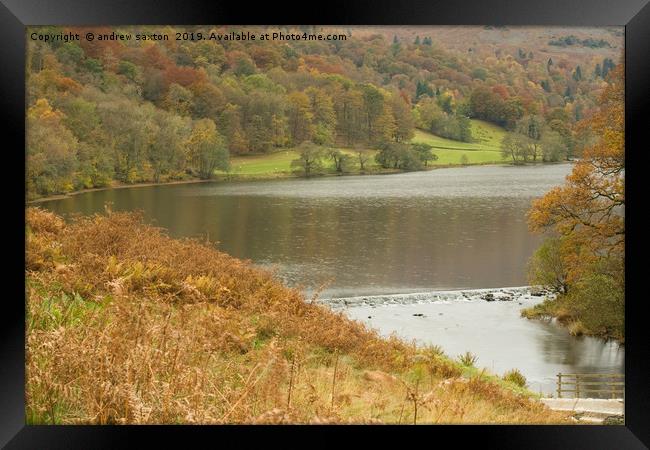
(445, 229)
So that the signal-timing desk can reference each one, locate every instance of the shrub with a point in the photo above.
(468, 359)
(576, 328)
(600, 304)
(516, 377)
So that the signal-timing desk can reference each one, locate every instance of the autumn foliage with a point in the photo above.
(589, 206)
(375, 86)
(128, 326)
(587, 212)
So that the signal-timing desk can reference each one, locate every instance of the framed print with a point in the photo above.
(248, 218)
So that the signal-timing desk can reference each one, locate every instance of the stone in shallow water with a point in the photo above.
(492, 294)
(536, 291)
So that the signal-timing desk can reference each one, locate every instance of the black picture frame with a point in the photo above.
(15, 15)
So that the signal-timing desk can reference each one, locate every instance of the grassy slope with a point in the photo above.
(126, 325)
(487, 137)
(485, 149)
(449, 152)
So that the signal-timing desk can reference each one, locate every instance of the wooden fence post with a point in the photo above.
(604, 385)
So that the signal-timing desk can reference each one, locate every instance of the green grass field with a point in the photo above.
(278, 164)
(484, 150)
(486, 135)
(273, 163)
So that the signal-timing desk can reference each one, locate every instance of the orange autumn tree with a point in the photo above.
(587, 213)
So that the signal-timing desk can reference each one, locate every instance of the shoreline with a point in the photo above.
(116, 186)
(494, 294)
(551, 318)
(265, 177)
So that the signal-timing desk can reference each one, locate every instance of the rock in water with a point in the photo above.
(536, 291)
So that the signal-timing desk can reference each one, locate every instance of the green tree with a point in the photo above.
(388, 156)
(259, 114)
(348, 103)
(405, 124)
(425, 153)
(480, 73)
(167, 149)
(515, 146)
(397, 155)
(207, 151)
(362, 157)
(422, 88)
(577, 74)
(310, 159)
(342, 161)
(153, 84)
(548, 267)
(445, 101)
(207, 100)
(129, 70)
(241, 63)
(95, 165)
(129, 127)
(178, 100)
(230, 126)
(70, 54)
(553, 146)
(599, 302)
(396, 46)
(385, 126)
(608, 65)
(373, 107)
(598, 71)
(51, 151)
(464, 129)
(300, 117)
(80, 116)
(533, 128)
(324, 116)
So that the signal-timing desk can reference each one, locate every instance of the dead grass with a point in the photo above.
(128, 326)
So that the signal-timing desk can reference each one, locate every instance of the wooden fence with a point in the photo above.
(611, 385)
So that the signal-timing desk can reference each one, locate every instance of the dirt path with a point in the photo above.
(594, 410)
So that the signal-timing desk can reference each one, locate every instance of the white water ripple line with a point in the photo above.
(489, 294)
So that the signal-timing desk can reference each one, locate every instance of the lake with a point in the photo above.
(387, 236)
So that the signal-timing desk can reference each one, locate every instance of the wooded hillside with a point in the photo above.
(138, 111)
